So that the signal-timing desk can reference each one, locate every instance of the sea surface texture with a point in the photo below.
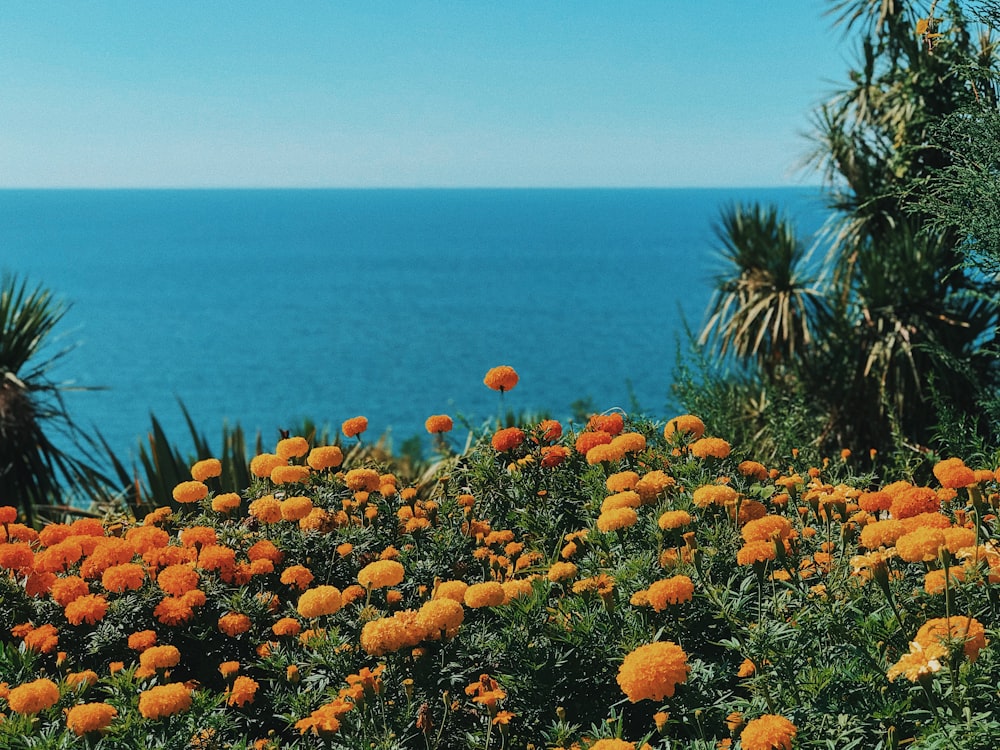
(265, 307)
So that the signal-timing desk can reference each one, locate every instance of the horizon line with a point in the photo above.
(208, 188)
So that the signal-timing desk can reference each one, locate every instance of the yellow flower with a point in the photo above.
(486, 594)
(321, 600)
(206, 469)
(325, 457)
(234, 624)
(710, 447)
(291, 447)
(190, 492)
(561, 571)
(381, 574)
(618, 518)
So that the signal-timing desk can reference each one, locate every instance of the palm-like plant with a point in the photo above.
(765, 308)
(35, 470)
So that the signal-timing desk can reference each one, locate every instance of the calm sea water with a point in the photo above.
(265, 307)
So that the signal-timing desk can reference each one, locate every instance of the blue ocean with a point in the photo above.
(267, 307)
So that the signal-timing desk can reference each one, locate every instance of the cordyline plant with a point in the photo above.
(633, 584)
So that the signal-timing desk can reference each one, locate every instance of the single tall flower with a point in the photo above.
(502, 378)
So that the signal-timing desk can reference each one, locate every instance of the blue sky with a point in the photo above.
(320, 93)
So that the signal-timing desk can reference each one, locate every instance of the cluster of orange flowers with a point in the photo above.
(239, 565)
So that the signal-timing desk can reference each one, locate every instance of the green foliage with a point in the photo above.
(35, 473)
(818, 622)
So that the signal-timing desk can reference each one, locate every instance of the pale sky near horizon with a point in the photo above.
(319, 93)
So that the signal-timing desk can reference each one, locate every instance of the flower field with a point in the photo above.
(627, 584)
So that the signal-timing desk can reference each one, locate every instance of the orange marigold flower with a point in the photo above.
(206, 469)
(920, 545)
(501, 378)
(173, 611)
(142, 640)
(266, 509)
(753, 552)
(674, 519)
(66, 589)
(366, 480)
(234, 624)
(295, 508)
(8, 514)
(561, 571)
(298, 576)
(89, 609)
(486, 594)
(953, 473)
(190, 492)
(549, 430)
(289, 474)
(714, 494)
(506, 439)
(43, 639)
(83, 679)
(675, 590)
(617, 518)
(263, 464)
(621, 481)
(767, 528)
(653, 671)
(243, 691)
(629, 442)
(18, 557)
(381, 574)
(710, 447)
(325, 457)
(440, 617)
(553, 455)
(438, 423)
(382, 636)
(625, 499)
(606, 452)
(587, 440)
(613, 743)
(286, 626)
(612, 423)
(159, 657)
(90, 718)
(451, 590)
(652, 483)
(747, 669)
(32, 697)
(177, 579)
(753, 469)
(291, 447)
(195, 536)
(921, 660)
(874, 501)
(687, 424)
(768, 732)
(318, 601)
(914, 501)
(881, 533)
(960, 628)
(354, 426)
(164, 700)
